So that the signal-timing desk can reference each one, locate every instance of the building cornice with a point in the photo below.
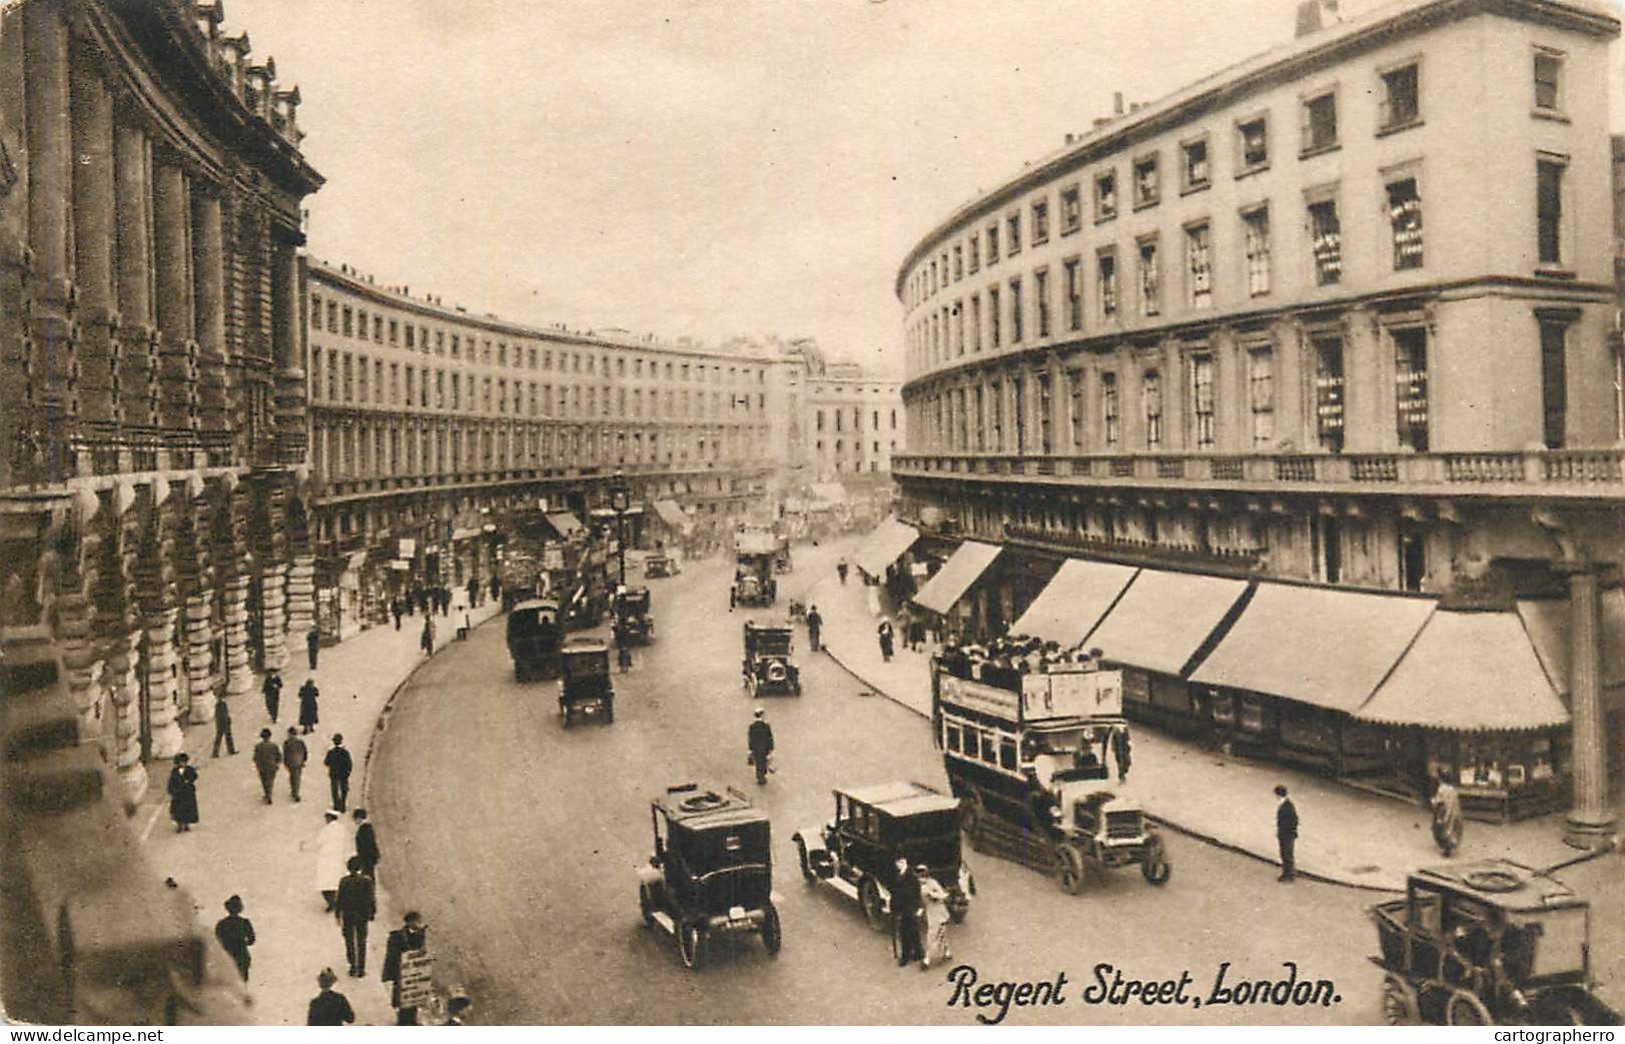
(1269, 69)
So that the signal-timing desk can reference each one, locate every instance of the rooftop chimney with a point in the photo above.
(1117, 103)
(1315, 15)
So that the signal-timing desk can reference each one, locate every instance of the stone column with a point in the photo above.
(172, 229)
(167, 738)
(95, 234)
(273, 608)
(137, 349)
(1590, 821)
(82, 664)
(288, 362)
(239, 677)
(301, 596)
(199, 639)
(124, 693)
(209, 298)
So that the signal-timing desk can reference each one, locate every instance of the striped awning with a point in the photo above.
(565, 523)
(885, 546)
(1163, 619)
(1074, 601)
(968, 562)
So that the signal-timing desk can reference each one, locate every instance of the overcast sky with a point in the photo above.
(750, 167)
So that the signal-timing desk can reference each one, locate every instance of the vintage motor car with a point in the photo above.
(753, 570)
(856, 852)
(1106, 831)
(584, 681)
(767, 668)
(633, 624)
(659, 564)
(1483, 942)
(712, 870)
(533, 638)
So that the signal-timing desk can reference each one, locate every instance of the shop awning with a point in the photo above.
(1468, 672)
(1316, 645)
(885, 546)
(1548, 627)
(671, 514)
(565, 523)
(1074, 601)
(1163, 618)
(968, 562)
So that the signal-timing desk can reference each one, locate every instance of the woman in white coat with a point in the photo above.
(334, 846)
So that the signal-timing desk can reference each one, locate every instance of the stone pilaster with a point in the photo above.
(301, 596)
(210, 302)
(178, 353)
(159, 662)
(137, 344)
(95, 231)
(1590, 821)
(239, 676)
(124, 695)
(199, 641)
(82, 662)
(273, 607)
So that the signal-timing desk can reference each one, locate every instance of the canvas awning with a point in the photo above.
(1320, 646)
(565, 523)
(1468, 672)
(968, 562)
(1548, 626)
(885, 546)
(671, 514)
(1163, 618)
(1074, 601)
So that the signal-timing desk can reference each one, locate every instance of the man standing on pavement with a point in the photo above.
(1286, 833)
(426, 640)
(236, 934)
(313, 645)
(357, 904)
(267, 759)
(294, 756)
(308, 697)
(338, 771)
(412, 936)
(906, 899)
(329, 1007)
(815, 624)
(271, 689)
(395, 610)
(222, 726)
(760, 739)
(366, 845)
(884, 633)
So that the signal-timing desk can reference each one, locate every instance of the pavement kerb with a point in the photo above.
(1364, 886)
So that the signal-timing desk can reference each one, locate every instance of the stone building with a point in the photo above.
(432, 426)
(1333, 322)
(152, 430)
(854, 425)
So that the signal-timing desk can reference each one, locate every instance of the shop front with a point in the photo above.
(944, 595)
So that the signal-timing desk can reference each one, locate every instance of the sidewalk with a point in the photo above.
(1348, 836)
(267, 853)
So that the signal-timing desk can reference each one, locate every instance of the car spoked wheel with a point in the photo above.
(806, 867)
(1073, 874)
(1399, 1002)
(772, 933)
(1465, 1009)
(1156, 867)
(874, 907)
(691, 946)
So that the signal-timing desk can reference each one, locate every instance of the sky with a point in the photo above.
(704, 169)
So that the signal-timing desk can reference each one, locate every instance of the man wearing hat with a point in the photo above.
(267, 759)
(294, 756)
(1286, 833)
(236, 934)
(413, 935)
(357, 904)
(329, 1007)
(906, 900)
(339, 766)
(332, 849)
(760, 740)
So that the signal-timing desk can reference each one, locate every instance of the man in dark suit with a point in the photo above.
(339, 765)
(366, 844)
(760, 739)
(1286, 833)
(906, 900)
(356, 905)
(329, 1007)
(413, 935)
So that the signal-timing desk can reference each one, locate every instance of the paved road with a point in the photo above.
(520, 841)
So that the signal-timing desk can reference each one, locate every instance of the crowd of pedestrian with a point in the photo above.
(1003, 660)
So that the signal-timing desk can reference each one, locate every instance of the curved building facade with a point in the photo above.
(1336, 317)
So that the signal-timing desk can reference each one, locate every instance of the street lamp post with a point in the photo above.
(618, 499)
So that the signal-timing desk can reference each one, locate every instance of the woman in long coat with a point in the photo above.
(308, 694)
(183, 794)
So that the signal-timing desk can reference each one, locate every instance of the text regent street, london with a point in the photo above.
(1111, 986)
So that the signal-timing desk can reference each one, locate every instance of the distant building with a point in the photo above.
(1335, 320)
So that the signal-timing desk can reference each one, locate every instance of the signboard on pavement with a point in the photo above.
(417, 978)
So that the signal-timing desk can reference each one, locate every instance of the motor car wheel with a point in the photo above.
(1155, 866)
(691, 946)
(566, 711)
(806, 867)
(1465, 1009)
(1073, 874)
(646, 905)
(772, 932)
(874, 907)
(1399, 1005)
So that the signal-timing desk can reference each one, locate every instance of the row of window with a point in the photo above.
(382, 451)
(1398, 92)
(838, 422)
(965, 419)
(354, 322)
(958, 327)
(343, 378)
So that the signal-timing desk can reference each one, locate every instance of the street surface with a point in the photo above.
(520, 841)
